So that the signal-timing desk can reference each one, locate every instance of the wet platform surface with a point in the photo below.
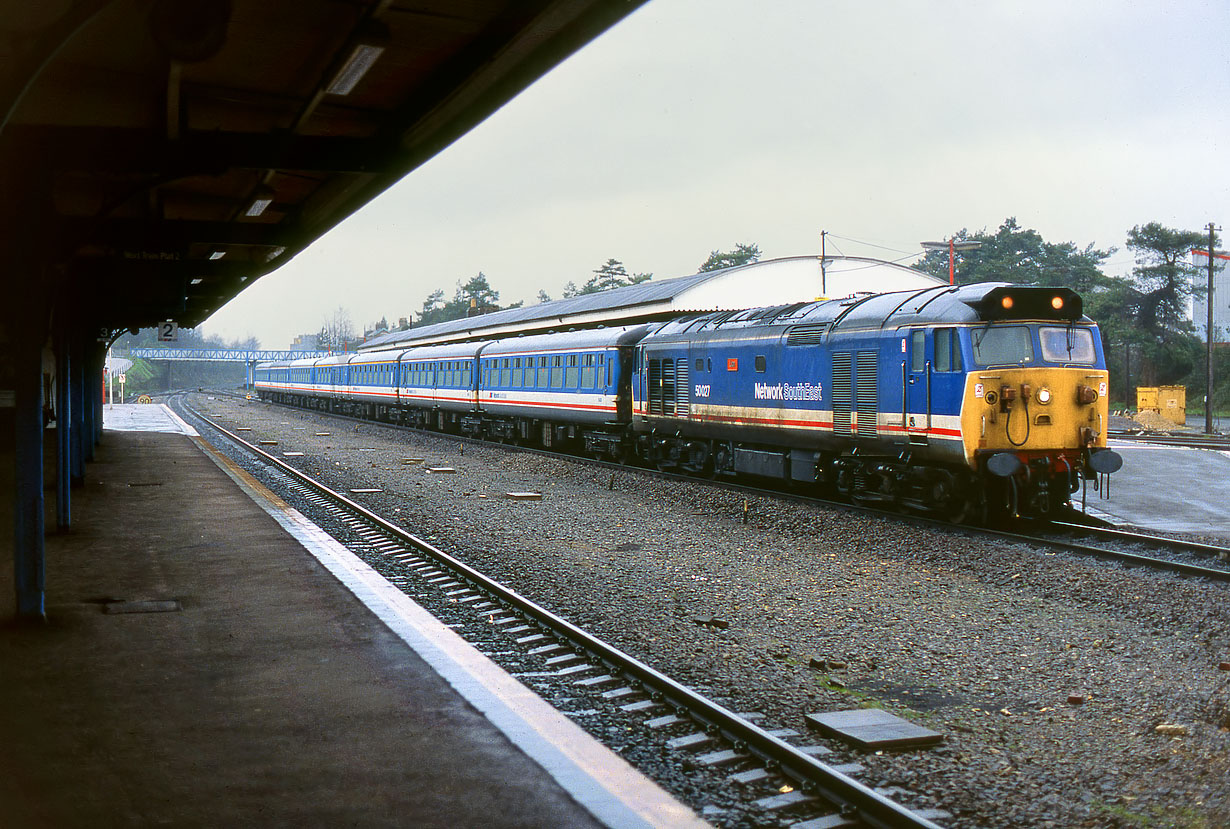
(201, 667)
(1169, 489)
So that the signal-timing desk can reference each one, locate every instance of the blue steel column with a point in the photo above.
(64, 429)
(77, 375)
(29, 566)
(93, 384)
(89, 405)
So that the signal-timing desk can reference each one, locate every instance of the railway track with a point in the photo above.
(1133, 548)
(760, 776)
(1123, 546)
(1216, 442)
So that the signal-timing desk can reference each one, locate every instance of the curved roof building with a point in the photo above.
(772, 282)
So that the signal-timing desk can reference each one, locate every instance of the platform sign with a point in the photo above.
(168, 332)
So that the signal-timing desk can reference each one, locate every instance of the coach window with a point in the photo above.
(587, 372)
(557, 372)
(918, 351)
(516, 373)
(572, 375)
(760, 364)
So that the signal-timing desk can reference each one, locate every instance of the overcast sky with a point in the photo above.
(695, 125)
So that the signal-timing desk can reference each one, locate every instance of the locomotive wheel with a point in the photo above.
(700, 462)
(968, 509)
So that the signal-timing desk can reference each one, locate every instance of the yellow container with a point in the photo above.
(1168, 401)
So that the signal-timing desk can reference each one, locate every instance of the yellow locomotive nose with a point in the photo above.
(1042, 427)
(1027, 409)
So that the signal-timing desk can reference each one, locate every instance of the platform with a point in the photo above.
(1168, 488)
(200, 666)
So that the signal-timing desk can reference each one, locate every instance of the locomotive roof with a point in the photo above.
(940, 305)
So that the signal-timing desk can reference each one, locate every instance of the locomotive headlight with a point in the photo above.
(1057, 303)
(1044, 395)
(1006, 302)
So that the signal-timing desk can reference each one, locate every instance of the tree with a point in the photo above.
(611, 274)
(473, 297)
(433, 308)
(476, 297)
(1150, 313)
(543, 296)
(1019, 255)
(741, 255)
(336, 331)
(1163, 275)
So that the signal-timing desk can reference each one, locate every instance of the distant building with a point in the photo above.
(1198, 307)
(304, 342)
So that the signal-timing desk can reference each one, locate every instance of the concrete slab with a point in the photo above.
(873, 729)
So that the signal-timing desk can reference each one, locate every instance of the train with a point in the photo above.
(966, 402)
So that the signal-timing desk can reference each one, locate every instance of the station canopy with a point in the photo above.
(771, 282)
(158, 156)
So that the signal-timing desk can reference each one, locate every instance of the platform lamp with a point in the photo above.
(952, 246)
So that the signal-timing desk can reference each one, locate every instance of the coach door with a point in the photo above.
(916, 386)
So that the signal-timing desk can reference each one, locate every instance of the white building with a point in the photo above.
(771, 282)
(1198, 306)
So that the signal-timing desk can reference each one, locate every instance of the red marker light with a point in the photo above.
(1006, 302)
(1057, 303)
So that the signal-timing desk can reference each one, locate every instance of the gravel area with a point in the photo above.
(1071, 692)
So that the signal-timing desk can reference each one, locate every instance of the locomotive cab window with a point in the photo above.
(761, 365)
(918, 351)
(1000, 345)
(1068, 345)
(947, 350)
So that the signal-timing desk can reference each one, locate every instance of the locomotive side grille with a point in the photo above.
(807, 334)
(681, 388)
(841, 393)
(668, 387)
(866, 392)
(655, 387)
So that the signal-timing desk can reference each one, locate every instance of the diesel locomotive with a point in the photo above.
(966, 402)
